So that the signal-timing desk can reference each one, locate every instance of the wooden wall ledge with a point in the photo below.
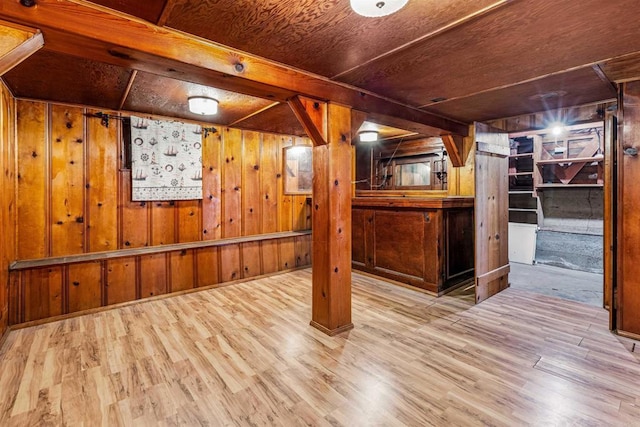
(413, 202)
(121, 253)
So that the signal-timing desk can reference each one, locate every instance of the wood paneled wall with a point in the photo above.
(63, 287)
(7, 200)
(74, 197)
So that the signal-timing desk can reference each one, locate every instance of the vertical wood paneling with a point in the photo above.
(163, 223)
(287, 253)
(16, 297)
(300, 213)
(230, 263)
(72, 198)
(67, 180)
(270, 256)
(232, 183)
(42, 293)
(134, 218)
(121, 280)
(208, 266)
(251, 195)
(181, 270)
(303, 250)
(84, 286)
(153, 275)
(433, 255)
(359, 217)
(211, 190)
(102, 186)
(189, 221)
(269, 183)
(33, 206)
(97, 198)
(251, 265)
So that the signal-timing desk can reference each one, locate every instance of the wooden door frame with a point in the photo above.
(609, 300)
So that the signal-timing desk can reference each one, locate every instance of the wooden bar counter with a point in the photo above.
(424, 242)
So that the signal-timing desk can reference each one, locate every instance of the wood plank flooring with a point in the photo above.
(245, 355)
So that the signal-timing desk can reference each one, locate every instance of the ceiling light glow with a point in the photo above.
(557, 128)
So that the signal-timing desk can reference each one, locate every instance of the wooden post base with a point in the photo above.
(331, 332)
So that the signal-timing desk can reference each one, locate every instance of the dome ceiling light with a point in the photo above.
(368, 136)
(203, 105)
(377, 8)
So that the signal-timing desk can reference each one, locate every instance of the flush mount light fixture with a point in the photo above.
(368, 136)
(376, 8)
(203, 105)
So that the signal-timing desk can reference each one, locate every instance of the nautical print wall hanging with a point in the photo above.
(166, 160)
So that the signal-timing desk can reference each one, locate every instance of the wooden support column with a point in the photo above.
(331, 218)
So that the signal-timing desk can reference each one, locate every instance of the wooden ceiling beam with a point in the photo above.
(17, 43)
(123, 40)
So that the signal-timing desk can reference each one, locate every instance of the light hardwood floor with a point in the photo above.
(245, 355)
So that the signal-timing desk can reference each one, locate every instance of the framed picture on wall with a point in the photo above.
(298, 169)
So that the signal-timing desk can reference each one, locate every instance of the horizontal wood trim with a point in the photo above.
(403, 193)
(122, 253)
(482, 280)
(630, 335)
(500, 150)
(544, 131)
(413, 202)
(571, 160)
(419, 281)
(408, 281)
(543, 186)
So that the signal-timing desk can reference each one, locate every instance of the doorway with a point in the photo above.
(556, 211)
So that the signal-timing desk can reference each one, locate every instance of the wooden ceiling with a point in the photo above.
(464, 60)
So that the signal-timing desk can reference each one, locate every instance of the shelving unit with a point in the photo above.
(572, 160)
(523, 203)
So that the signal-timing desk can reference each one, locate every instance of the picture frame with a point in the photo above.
(298, 169)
